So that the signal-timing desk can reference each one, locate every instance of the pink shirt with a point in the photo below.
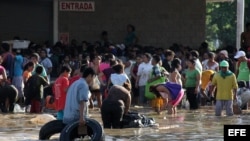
(102, 67)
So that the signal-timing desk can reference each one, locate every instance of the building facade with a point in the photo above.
(159, 23)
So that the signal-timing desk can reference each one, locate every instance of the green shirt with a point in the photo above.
(191, 78)
(244, 73)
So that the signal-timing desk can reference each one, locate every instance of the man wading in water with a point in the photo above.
(76, 106)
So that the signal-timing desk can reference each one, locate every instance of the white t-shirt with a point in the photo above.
(118, 79)
(198, 65)
(144, 71)
(127, 69)
(213, 67)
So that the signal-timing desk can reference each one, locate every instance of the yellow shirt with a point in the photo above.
(205, 78)
(225, 86)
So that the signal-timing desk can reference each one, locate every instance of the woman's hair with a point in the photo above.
(210, 55)
(106, 57)
(92, 57)
(175, 64)
(118, 68)
(169, 53)
(157, 58)
(195, 54)
(65, 69)
(148, 55)
(153, 90)
(192, 60)
(29, 64)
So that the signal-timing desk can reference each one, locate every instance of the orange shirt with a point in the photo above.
(59, 88)
(26, 75)
(205, 78)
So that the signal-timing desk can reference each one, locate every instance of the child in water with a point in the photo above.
(171, 92)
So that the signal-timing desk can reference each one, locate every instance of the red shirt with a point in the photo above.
(73, 79)
(60, 86)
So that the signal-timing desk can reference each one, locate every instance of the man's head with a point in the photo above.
(43, 53)
(39, 70)
(223, 54)
(240, 55)
(35, 58)
(89, 75)
(224, 66)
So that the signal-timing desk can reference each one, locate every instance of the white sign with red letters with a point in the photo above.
(87, 6)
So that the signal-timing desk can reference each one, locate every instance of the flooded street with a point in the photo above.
(187, 125)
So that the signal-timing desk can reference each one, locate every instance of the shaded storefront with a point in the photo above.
(159, 23)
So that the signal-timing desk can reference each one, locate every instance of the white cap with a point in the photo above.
(239, 54)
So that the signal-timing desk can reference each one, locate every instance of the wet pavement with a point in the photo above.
(200, 125)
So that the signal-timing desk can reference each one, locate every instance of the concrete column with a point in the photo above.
(240, 20)
(55, 21)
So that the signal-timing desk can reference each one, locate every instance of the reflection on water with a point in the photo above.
(186, 125)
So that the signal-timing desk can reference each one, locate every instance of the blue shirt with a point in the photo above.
(18, 66)
(77, 92)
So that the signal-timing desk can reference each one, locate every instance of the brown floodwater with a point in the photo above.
(200, 125)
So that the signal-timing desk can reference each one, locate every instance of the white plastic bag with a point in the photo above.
(187, 105)
(18, 109)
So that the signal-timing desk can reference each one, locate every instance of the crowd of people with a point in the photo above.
(117, 76)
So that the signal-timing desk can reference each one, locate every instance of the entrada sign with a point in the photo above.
(77, 6)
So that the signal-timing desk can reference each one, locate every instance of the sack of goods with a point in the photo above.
(136, 120)
(243, 97)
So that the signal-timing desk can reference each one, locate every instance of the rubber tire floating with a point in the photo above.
(51, 128)
(94, 131)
